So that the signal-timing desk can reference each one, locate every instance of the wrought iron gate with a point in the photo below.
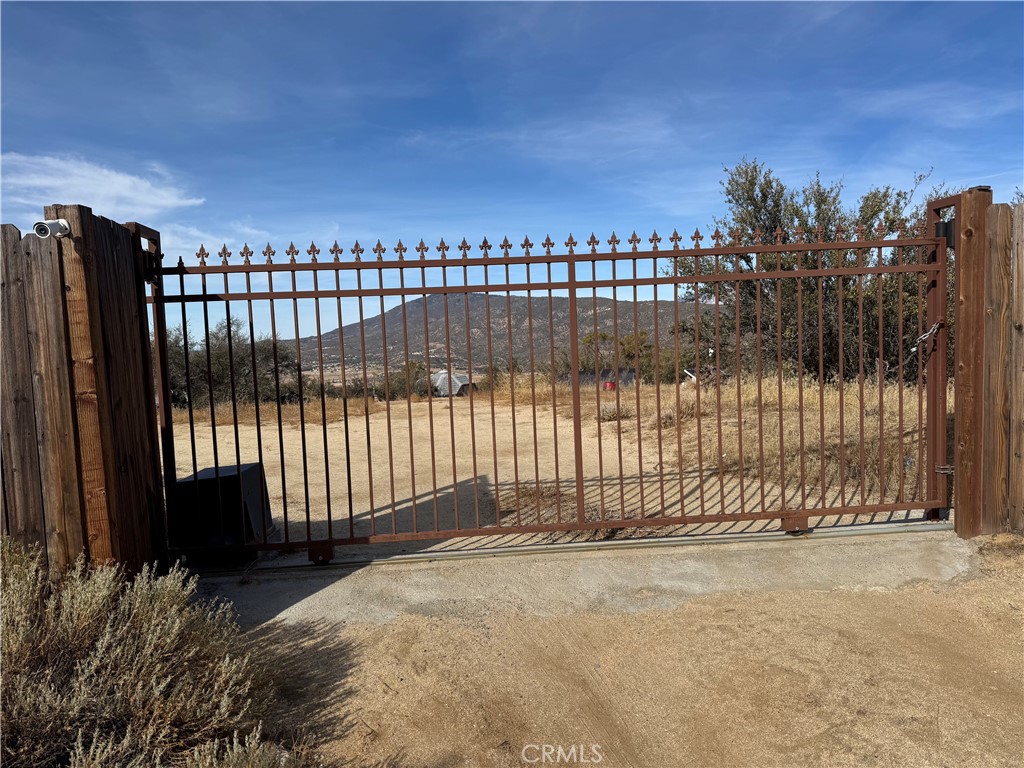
(798, 378)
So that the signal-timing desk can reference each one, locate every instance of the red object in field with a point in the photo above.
(609, 385)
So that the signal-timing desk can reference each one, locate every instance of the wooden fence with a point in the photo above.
(81, 470)
(989, 376)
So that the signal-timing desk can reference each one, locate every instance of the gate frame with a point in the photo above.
(937, 497)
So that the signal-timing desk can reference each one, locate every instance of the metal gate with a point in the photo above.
(771, 380)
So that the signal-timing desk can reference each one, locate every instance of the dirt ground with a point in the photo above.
(520, 462)
(903, 649)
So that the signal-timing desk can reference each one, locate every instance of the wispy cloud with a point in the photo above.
(952, 105)
(33, 181)
(599, 139)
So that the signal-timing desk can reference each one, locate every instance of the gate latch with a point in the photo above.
(926, 336)
(943, 469)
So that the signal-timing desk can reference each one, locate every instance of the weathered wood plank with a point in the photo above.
(146, 244)
(81, 301)
(4, 506)
(54, 429)
(970, 341)
(995, 432)
(21, 471)
(119, 275)
(108, 337)
(1015, 374)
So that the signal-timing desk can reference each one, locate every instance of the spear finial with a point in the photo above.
(202, 253)
(269, 253)
(313, 251)
(292, 251)
(245, 253)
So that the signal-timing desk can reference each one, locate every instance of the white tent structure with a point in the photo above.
(456, 384)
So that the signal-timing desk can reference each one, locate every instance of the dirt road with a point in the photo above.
(876, 650)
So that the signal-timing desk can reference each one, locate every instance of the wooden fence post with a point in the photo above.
(112, 381)
(970, 340)
(990, 365)
(995, 432)
(81, 469)
(1015, 374)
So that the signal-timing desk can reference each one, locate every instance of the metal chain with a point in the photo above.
(925, 336)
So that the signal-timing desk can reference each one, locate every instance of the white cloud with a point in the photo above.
(951, 105)
(32, 181)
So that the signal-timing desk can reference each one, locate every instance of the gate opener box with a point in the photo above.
(222, 508)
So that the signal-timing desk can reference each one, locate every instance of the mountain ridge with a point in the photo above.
(524, 310)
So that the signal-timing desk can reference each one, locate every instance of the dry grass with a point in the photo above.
(614, 412)
(795, 432)
(101, 671)
(794, 436)
(311, 412)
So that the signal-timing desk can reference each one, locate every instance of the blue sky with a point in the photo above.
(285, 121)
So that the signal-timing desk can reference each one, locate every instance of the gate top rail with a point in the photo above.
(736, 245)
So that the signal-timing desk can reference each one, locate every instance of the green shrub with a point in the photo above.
(103, 670)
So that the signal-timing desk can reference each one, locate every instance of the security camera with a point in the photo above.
(55, 227)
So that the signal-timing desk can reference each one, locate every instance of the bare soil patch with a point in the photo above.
(927, 674)
(443, 464)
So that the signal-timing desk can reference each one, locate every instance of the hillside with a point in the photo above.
(520, 337)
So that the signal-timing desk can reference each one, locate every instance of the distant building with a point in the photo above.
(457, 384)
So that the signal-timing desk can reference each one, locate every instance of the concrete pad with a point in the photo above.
(617, 581)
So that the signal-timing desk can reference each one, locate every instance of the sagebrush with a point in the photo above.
(103, 670)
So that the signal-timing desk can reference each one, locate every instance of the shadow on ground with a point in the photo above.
(310, 666)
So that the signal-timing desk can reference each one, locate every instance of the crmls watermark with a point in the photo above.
(579, 754)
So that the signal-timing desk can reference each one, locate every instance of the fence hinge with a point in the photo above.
(150, 265)
(943, 469)
(947, 229)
